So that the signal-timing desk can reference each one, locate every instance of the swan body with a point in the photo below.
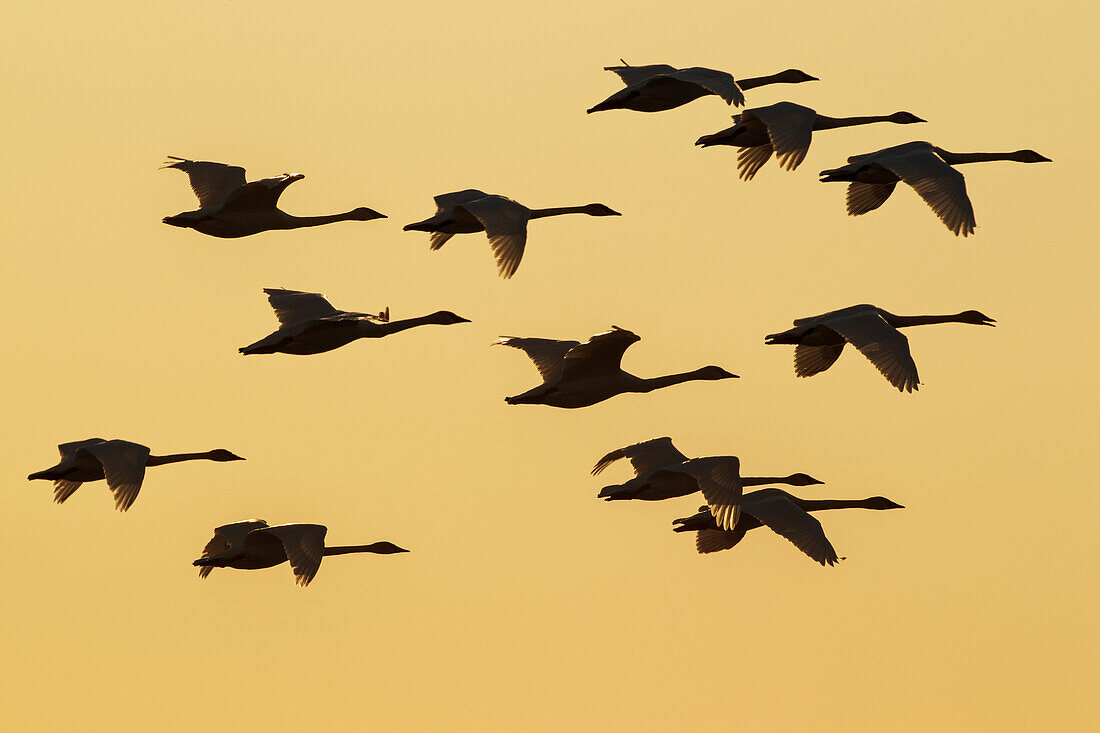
(120, 462)
(230, 207)
(310, 325)
(503, 220)
(253, 544)
(653, 455)
(579, 375)
(819, 340)
(928, 169)
(785, 514)
(658, 87)
(785, 129)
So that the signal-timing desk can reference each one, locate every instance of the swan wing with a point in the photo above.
(715, 82)
(775, 509)
(261, 195)
(505, 223)
(649, 455)
(884, 345)
(942, 187)
(790, 128)
(123, 466)
(751, 160)
(295, 306)
(716, 540)
(718, 478)
(227, 536)
(603, 353)
(211, 182)
(864, 197)
(547, 354)
(811, 360)
(304, 545)
(635, 74)
(445, 201)
(63, 489)
(438, 239)
(68, 450)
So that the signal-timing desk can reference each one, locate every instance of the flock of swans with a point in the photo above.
(575, 374)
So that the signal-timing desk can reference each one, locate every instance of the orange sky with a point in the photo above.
(526, 604)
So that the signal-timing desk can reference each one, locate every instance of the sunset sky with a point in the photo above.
(526, 604)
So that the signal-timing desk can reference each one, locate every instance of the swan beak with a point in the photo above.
(237, 458)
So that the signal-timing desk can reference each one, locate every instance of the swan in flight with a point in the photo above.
(121, 462)
(579, 375)
(229, 207)
(503, 220)
(659, 453)
(871, 179)
(252, 544)
(785, 514)
(310, 325)
(874, 332)
(785, 129)
(657, 87)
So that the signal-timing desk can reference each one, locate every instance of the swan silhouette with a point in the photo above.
(579, 375)
(121, 462)
(871, 179)
(657, 87)
(503, 220)
(785, 514)
(785, 129)
(310, 325)
(653, 455)
(819, 340)
(252, 544)
(229, 207)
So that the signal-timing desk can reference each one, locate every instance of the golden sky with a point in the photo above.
(526, 604)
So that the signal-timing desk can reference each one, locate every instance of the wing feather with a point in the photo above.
(775, 509)
(649, 455)
(885, 346)
(547, 354)
(123, 466)
(811, 360)
(942, 187)
(295, 306)
(211, 182)
(505, 223)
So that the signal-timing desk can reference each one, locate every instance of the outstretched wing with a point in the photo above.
(505, 223)
(715, 82)
(811, 360)
(649, 455)
(123, 466)
(446, 201)
(227, 536)
(304, 545)
(601, 354)
(864, 197)
(884, 345)
(751, 160)
(775, 509)
(716, 540)
(211, 182)
(717, 477)
(790, 128)
(261, 195)
(295, 306)
(634, 74)
(547, 354)
(942, 187)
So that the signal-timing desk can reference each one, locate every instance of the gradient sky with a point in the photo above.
(526, 604)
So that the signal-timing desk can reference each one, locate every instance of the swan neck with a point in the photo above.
(904, 321)
(297, 222)
(817, 505)
(758, 81)
(959, 158)
(556, 211)
(829, 123)
(348, 549)
(648, 385)
(765, 480)
(176, 458)
(401, 325)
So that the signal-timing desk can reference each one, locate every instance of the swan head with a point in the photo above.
(223, 455)
(976, 318)
(365, 214)
(1029, 156)
(802, 479)
(794, 76)
(881, 502)
(905, 118)
(600, 210)
(384, 548)
(446, 318)
(714, 372)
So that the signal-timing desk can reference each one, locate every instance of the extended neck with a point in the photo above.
(783, 77)
(959, 158)
(817, 505)
(376, 547)
(904, 321)
(766, 480)
(177, 457)
(648, 385)
(828, 123)
(541, 213)
(297, 222)
(401, 325)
